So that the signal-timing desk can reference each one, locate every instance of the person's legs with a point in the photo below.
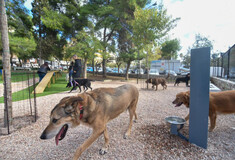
(41, 75)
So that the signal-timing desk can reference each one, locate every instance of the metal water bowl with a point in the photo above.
(176, 123)
(175, 120)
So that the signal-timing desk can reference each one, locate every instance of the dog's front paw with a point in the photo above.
(125, 136)
(211, 129)
(103, 151)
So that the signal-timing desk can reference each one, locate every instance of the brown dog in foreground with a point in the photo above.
(94, 109)
(156, 82)
(220, 102)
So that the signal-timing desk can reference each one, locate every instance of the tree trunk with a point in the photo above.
(127, 69)
(104, 67)
(93, 66)
(6, 64)
(20, 62)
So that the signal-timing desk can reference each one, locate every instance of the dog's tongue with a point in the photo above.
(58, 136)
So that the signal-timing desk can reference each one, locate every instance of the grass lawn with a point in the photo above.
(19, 76)
(59, 86)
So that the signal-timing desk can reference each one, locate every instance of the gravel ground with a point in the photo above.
(150, 138)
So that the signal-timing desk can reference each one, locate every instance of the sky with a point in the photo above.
(214, 19)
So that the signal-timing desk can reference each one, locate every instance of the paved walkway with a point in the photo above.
(17, 86)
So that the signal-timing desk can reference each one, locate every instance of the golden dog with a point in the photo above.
(94, 109)
(156, 82)
(220, 102)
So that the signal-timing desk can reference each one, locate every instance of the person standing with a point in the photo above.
(70, 71)
(77, 68)
(42, 71)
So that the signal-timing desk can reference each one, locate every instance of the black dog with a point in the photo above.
(183, 79)
(86, 83)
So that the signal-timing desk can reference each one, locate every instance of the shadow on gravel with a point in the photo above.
(159, 142)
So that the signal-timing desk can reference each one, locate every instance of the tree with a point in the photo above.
(148, 28)
(22, 47)
(187, 58)
(202, 41)
(20, 27)
(19, 22)
(106, 25)
(6, 64)
(37, 11)
(85, 45)
(170, 48)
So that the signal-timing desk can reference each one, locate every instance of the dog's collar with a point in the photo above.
(76, 82)
(81, 111)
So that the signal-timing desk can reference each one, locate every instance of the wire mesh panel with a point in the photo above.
(24, 110)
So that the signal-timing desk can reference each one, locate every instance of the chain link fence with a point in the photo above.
(24, 109)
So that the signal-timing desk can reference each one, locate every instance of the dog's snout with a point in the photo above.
(43, 136)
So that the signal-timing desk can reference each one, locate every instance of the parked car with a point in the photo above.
(109, 70)
(154, 72)
(141, 71)
(100, 70)
(170, 72)
(184, 73)
(89, 69)
(129, 71)
(115, 70)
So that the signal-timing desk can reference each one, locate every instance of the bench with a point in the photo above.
(46, 81)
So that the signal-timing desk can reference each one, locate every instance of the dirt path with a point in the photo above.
(17, 86)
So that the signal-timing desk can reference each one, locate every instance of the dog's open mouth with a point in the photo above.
(178, 104)
(61, 134)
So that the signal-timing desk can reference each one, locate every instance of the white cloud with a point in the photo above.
(211, 18)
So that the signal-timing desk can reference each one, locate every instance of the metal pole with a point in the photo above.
(138, 68)
(34, 93)
(228, 63)
(147, 69)
(6, 117)
(29, 96)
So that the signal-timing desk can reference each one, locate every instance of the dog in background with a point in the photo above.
(93, 109)
(220, 102)
(156, 82)
(183, 79)
(86, 83)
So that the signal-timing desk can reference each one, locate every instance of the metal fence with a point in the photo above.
(24, 109)
(228, 64)
(224, 66)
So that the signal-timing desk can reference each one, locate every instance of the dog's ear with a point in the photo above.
(187, 98)
(64, 99)
(73, 102)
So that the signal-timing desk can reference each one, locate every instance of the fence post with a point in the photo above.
(6, 116)
(29, 96)
(34, 96)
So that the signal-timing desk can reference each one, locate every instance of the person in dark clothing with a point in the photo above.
(42, 71)
(77, 68)
(70, 71)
